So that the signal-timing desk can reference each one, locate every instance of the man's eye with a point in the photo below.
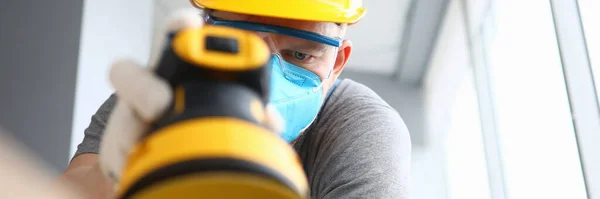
(301, 56)
(297, 57)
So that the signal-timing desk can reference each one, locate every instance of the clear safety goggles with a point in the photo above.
(308, 50)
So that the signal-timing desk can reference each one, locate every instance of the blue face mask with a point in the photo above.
(297, 95)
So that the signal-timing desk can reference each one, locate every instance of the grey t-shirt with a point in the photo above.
(358, 147)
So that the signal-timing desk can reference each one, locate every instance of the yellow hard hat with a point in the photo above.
(337, 11)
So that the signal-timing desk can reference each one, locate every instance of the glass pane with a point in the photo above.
(589, 15)
(535, 127)
(467, 171)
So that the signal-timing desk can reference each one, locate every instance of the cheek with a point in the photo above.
(327, 85)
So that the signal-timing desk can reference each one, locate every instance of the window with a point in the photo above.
(536, 135)
(467, 173)
(589, 16)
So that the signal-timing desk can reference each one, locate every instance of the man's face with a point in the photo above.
(317, 58)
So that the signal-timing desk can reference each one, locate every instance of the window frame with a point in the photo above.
(581, 89)
(485, 98)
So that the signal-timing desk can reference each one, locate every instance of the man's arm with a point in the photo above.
(368, 161)
(84, 173)
(84, 170)
(24, 175)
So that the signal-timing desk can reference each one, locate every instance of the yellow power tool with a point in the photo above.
(213, 141)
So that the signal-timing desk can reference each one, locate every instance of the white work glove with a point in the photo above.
(142, 98)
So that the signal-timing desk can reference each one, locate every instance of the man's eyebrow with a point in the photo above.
(312, 46)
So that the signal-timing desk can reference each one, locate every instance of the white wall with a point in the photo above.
(110, 29)
(449, 62)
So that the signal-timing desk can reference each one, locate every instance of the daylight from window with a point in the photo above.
(536, 134)
(589, 15)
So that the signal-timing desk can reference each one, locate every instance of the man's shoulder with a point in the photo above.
(360, 135)
(352, 96)
(352, 110)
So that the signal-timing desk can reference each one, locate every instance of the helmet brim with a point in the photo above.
(320, 11)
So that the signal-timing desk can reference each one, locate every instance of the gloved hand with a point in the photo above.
(142, 98)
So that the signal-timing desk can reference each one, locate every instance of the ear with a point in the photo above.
(342, 57)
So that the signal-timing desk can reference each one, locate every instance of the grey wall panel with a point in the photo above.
(38, 66)
(419, 39)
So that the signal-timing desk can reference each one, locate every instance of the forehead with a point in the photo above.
(323, 28)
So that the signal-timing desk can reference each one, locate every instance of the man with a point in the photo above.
(352, 144)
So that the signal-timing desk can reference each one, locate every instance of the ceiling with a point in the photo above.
(378, 38)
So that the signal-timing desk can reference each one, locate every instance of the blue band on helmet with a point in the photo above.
(336, 42)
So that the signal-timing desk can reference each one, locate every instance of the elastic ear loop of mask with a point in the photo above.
(332, 64)
(322, 100)
(274, 51)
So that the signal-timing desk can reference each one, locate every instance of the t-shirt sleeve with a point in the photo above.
(361, 149)
(93, 133)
